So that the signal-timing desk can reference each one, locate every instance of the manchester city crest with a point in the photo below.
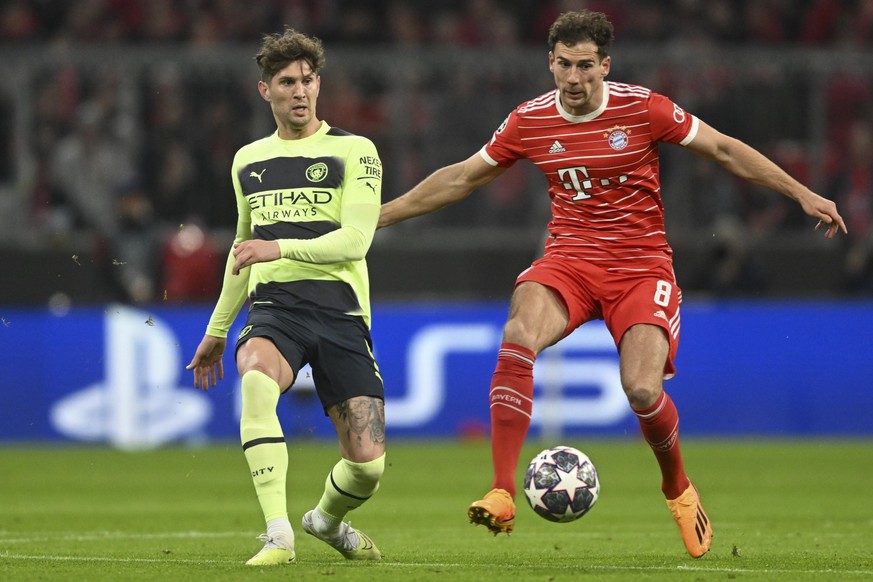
(316, 172)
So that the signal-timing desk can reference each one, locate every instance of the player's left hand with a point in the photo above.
(207, 363)
(826, 212)
(833, 226)
(249, 252)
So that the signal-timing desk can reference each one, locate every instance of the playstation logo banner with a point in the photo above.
(115, 375)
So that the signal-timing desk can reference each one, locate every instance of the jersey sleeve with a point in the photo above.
(234, 289)
(670, 123)
(360, 207)
(504, 148)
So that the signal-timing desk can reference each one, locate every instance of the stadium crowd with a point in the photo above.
(136, 157)
(455, 22)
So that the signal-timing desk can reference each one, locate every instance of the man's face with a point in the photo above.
(292, 93)
(579, 74)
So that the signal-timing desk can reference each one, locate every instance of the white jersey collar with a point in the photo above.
(587, 116)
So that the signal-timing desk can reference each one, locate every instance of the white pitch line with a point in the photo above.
(109, 535)
(113, 560)
(457, 565)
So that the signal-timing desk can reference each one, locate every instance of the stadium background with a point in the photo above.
(119, 119)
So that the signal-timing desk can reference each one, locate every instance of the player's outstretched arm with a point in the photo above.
(750, 164)
(206, 363)
(444, 187)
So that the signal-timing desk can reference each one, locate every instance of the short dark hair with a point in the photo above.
(582, 26)
(278, 50)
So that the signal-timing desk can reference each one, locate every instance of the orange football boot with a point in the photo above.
(692, 521)
(496, 511)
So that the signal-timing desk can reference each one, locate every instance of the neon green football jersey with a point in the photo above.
(320, 198)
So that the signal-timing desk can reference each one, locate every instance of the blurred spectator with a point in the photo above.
(172, 171)
(732, 267)
(849, 97)
(545, 13)
(174, 183)
(405, 25)
(191, 266)
(164, 21)
(446, 28)
(176, 123)
(766, 22)
(188, 170)
(18, 21)
(313, 16)
(134, 250)
(98, 21)
(358, 23)
(54, 111)
(723, 23)
(359, 107)
(853, 190)
(487, 23)
(863, 21)
(7, 145)
(711, 195)
(222, 123)
(84, 143)
(855, 182)
(206, 29)
(848, 24)
(88, 167)
(647, 21)
(468, 22)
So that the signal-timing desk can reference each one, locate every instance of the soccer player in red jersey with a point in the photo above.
(606, 256)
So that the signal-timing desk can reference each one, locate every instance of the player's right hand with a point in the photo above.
(207, 362)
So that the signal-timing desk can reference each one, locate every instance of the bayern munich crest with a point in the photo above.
(617, 137)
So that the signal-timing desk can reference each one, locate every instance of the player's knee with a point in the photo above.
(534, 333)
(640, 396)
(516, 331)
(260, 394)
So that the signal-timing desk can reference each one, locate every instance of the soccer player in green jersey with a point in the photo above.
(308, 198)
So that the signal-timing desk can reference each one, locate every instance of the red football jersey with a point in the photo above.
(602, 170)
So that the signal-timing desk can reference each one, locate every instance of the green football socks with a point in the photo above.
(349, 485)
(264, 443)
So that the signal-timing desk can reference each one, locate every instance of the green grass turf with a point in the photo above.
(782, 510)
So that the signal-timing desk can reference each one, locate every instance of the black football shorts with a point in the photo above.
(337, 346)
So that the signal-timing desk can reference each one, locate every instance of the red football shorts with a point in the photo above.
(644, 293)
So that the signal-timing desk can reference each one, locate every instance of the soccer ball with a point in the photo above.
(561, 484)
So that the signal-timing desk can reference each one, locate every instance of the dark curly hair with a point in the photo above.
(280, 49)
(582, 26)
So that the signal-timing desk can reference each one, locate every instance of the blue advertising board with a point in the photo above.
(115, 374)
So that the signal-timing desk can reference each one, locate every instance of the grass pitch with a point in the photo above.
(782, 510)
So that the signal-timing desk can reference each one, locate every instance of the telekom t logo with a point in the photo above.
(576, 179)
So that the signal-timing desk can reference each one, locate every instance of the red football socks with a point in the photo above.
(511, 400)
(660, 426)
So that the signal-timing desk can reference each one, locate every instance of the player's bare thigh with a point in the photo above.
(360, 427)
(537, 317)
(261, 354)
(642, 353)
